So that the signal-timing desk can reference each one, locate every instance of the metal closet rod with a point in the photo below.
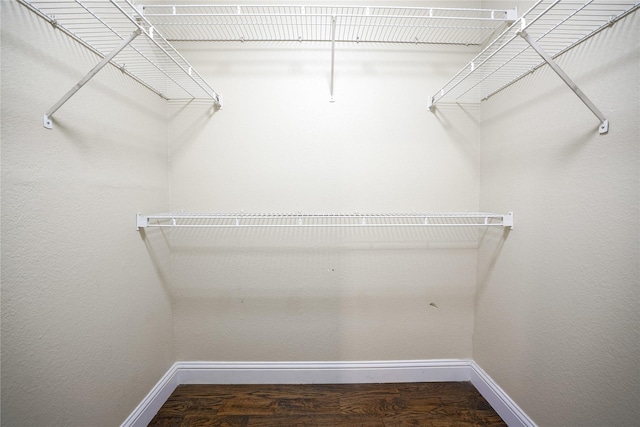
(253, 220)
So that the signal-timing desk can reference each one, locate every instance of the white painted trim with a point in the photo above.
(327, 373)
(508, 410)
(153, 401)
(322, 372)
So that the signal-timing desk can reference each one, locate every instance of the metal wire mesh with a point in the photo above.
(219, 220)
(314, 23)
(556, 25)
(150, 59)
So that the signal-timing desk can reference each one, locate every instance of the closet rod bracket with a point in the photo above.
(48, 123)
(604, 123)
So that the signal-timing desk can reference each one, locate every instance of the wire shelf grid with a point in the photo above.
(314, 23)
(556, 25)
(248, 220)
(150, 59)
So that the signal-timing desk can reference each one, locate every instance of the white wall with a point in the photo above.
(86, 315)
(86, 303)
(279, 145)
(557, 301)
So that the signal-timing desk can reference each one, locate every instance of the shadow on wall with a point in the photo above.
(206, 246)
(218, 259)
(188, 119)
(159, 249)
(490, 246)
(461, 121)
(205, 239)
(321, 293)
(267, 59)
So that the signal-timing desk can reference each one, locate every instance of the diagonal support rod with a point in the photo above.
(604, 123)
(48, 123)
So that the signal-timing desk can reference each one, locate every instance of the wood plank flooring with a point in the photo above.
(331, 405)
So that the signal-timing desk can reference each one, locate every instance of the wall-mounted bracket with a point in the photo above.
(604, 123)
(48, 123)
(507, 220)
(141, 221)
(431, 105)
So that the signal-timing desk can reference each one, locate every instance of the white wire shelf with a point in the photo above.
(249, 220)
(316, 23)
(555, 25)
(102, 25)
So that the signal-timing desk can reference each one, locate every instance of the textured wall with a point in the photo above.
(280, 145)
(86, 315)
(557, 300)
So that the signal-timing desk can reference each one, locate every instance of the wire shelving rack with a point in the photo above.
(555, 26)
(117, 32)
(202, 22)
(252, 220)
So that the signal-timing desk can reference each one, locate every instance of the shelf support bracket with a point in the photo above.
(604, 123)
(48, 123)
(333, 54)
(141, 221)
(507, 220)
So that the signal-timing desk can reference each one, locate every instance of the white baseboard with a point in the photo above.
(326, 373)
(151, 404)
(508, 410)
(322, 372)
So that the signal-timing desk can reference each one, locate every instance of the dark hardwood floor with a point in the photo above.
(331, 405)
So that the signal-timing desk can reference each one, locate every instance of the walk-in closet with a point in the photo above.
(320, 192)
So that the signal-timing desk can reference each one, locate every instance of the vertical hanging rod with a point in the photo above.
(250, 220)
(333, 55)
